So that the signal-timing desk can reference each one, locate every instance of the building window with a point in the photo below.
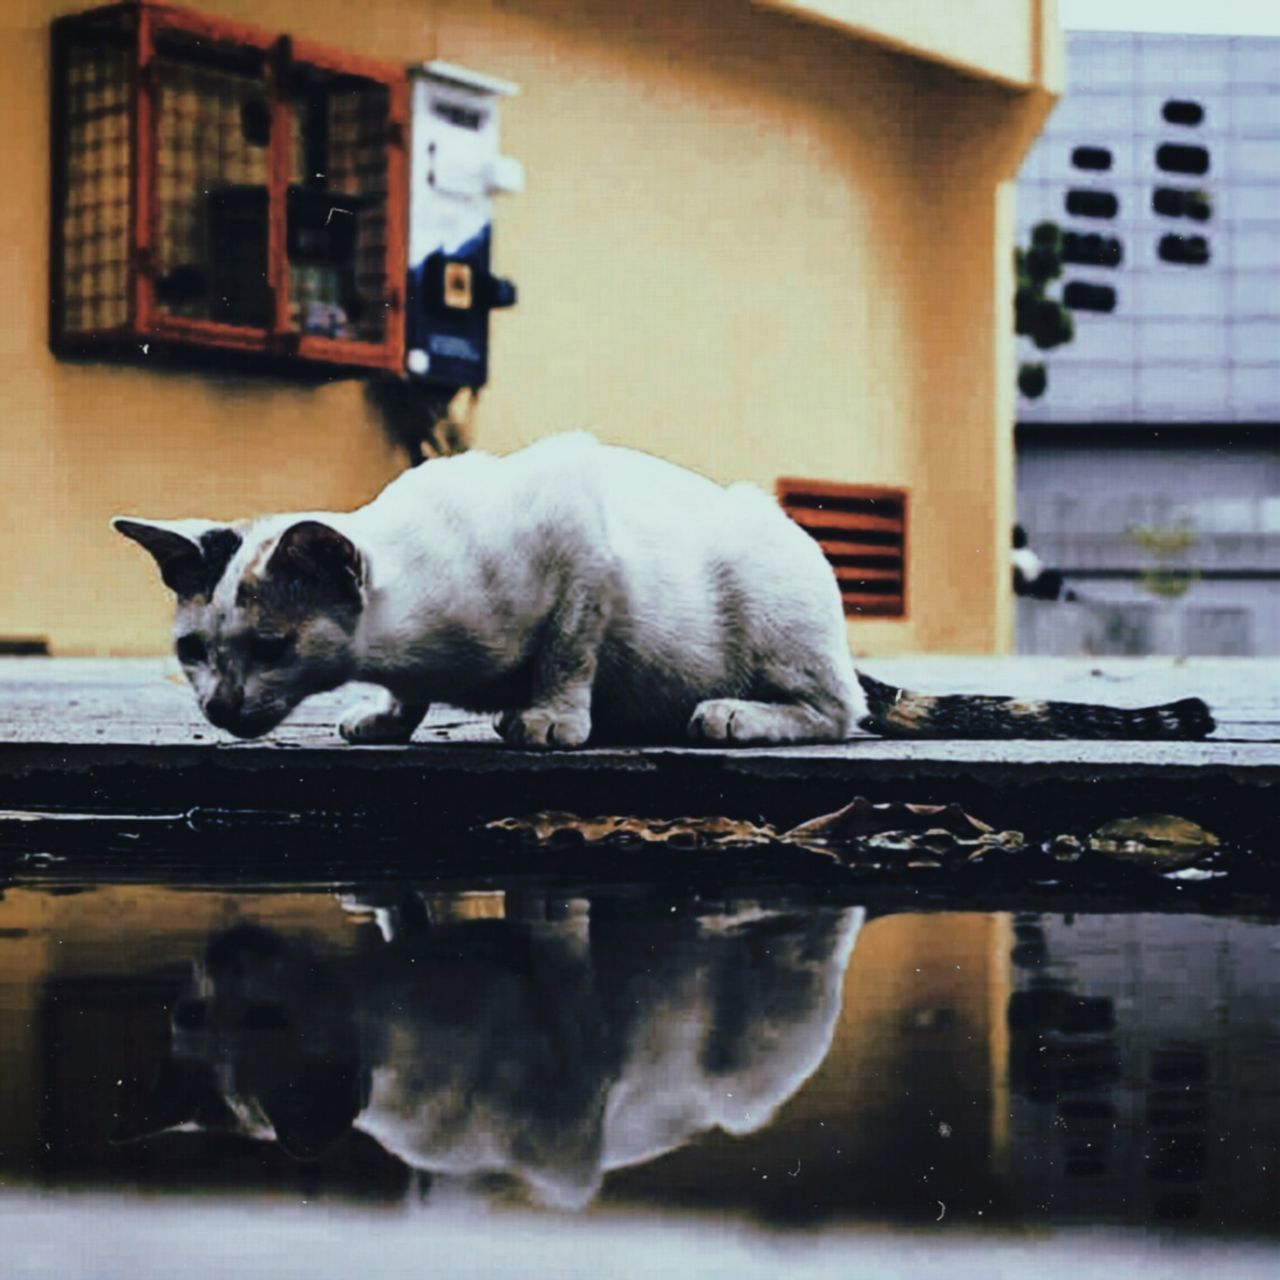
(1176, 202)
(1080, 296)
(216, 186)
(1182, 111)
(1091, 158)
(1191, 251)
(1092, 250)
(1173, 157)
(1092, 204)
(863, 533)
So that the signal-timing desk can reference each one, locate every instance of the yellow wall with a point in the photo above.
(111, 932)
(753, 244)
(1016, 43)
(921, 1039)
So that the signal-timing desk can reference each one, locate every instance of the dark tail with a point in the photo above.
(899, 713)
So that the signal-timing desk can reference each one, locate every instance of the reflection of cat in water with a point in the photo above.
(552, 1050)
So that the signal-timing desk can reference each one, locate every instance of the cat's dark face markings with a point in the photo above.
(264, 617)
(265, 1043)
(217, 546)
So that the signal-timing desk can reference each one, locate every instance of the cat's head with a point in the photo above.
(265, 1043)
(265, 611)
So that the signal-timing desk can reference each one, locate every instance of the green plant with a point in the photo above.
(1036, 315)
(1165, 579)
(1032, 380)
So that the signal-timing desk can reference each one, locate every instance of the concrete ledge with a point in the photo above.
(124, 736)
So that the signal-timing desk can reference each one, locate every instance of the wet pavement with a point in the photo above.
(289, 1007)
(796, 1066)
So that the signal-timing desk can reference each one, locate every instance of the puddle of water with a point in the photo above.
(753, 1061)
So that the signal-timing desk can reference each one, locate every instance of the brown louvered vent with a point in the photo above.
(862, 530)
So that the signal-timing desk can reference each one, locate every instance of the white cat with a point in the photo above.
(582, 590)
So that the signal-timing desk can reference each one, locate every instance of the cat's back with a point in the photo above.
(666, 526)
(602, 495)
(570, 463)
(575, 465)
(659, 509)
(653, 488)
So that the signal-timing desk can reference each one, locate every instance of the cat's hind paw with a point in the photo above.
(544, 729)
(732, 720)
(743, 722)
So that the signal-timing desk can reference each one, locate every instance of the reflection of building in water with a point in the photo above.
(1161, 166)
(1143, 1055)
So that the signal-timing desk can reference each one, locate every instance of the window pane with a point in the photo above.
(337, 207)
(212, 129)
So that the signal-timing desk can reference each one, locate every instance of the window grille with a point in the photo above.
(216, 186)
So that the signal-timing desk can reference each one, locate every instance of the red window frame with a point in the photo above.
(144, 21)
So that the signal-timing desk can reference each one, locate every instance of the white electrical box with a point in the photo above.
(455, 170)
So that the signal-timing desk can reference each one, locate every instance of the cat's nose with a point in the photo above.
(223, 709)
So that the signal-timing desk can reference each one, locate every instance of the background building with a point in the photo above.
(731, 251)
(1154, 452)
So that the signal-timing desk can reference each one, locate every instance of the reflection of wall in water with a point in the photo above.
(1143, 1069)
(908, 1107)
(76, 1018)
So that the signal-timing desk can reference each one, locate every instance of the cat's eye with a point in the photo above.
(268, 649)
(191, 649)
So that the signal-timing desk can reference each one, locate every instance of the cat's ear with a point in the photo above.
(317, 1107)
(190, 554)
(179, 1091)
(320, 556)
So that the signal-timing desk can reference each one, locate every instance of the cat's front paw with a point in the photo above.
(370, 723)
(538, 727)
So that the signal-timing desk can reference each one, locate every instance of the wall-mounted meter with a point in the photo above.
(455, 170)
